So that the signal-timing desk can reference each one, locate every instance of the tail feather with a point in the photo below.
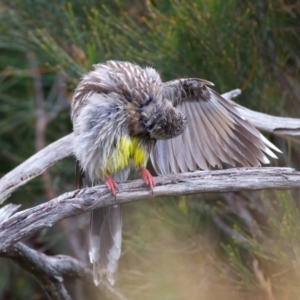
(105, 242)
(106, 238)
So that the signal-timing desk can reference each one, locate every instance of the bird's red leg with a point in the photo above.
(147, 177)
(111, 184)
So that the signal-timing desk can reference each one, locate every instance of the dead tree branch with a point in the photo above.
(30, 221)
(265, 122)
(41, 118)
(276, 125)
(46, 270)
(7, 211)
(43, 268)
(62, 148)
(35, 165)
(50, 271)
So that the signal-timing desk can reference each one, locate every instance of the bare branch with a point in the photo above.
(7, 211)
(41, 119)
(35, 165)
(50, 270)
(34, 262)
(30, 221)
(232, 94)
(62, 148)
(276, 125)
(44, 269)
(227, 229)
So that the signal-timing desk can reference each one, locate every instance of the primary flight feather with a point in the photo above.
(122, 114)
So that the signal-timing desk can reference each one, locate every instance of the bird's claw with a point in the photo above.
(111, 184)
(147, 177)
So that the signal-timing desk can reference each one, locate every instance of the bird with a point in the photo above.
(123, 115)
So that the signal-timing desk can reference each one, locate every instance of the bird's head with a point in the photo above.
(162, 120)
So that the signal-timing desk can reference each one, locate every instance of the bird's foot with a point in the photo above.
(111, 184)
(147, 177)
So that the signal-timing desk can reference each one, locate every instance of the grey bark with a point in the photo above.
(35, 165)
(30, 221)
(265, 122)
(47, 271)
(62, 148)
(50, 271)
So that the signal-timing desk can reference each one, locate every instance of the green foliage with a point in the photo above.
(199, 247)
(272, 251)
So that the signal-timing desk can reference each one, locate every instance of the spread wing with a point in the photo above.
(216, 133)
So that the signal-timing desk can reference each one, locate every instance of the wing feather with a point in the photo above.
(180, 160)
(216, 133)
(172, 158)
(159, 157)
(202, 125)
(192, 157)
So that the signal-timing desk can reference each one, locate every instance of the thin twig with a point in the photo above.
(41, 119)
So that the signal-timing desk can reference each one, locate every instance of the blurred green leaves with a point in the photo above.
(202, 247)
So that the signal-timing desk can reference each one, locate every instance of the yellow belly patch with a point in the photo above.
(127, 148)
